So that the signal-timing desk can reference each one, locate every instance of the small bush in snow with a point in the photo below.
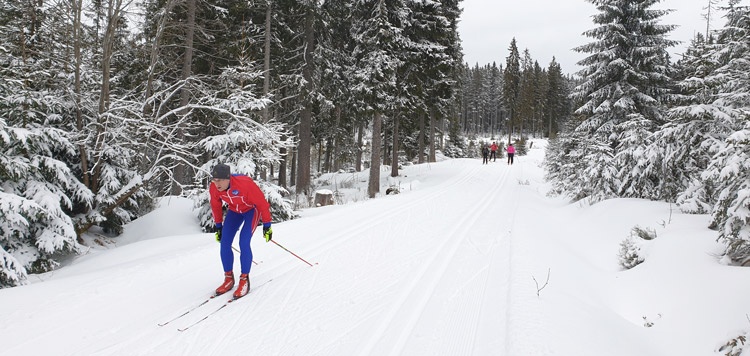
(734, 346)
(43, 265)
(521, 148)
(646, 234)
(454, 152)
(631, 249)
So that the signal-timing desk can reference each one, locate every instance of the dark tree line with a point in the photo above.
(519, 98)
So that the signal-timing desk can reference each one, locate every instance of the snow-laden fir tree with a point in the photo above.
(702, 151)
(625, 80)
(38, 189)
(512, 87)
(557, 109)
(378, 53)
(565, 164)
(724, 118)
(433, 68)
(37, 192)
(336, 125)
(682, 148)
(526, 107)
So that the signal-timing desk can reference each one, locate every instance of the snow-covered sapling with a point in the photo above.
(632, 249)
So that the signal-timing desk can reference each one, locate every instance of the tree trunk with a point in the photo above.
(113, 17)
(320, 157)
(305, 125)
(420, 145)
(267, 60)
(373, 186)
(180, 170)
(510, 131)
(336, 155)
(394, 154)
(360, 144)
(327, 164)
(147, 109)
(282, 165)
(77, 8)
(432, 136)
(293, 170)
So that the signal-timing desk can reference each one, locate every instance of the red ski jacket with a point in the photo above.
(242, 196)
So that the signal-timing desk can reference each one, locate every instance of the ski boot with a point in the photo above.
(227, 285)
(243, 287)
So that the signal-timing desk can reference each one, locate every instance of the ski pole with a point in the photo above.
(238, 251)
(285, 249)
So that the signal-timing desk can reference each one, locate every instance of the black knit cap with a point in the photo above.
(221, 171)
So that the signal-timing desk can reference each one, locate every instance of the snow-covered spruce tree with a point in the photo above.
(378, 54)
(512, 87)
(334, 53)
(682, 148)
(625, 78)
(562, 160)
(558, 108)
(541, 88)
(526, 97)
(728, 173)
(39, 189)
(422, 58)
(433, 66)
(634, 249)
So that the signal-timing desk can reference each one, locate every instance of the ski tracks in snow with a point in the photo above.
(423, 277)
(439, 311)
(430, 273)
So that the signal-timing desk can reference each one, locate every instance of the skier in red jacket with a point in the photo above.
(493, 152)
(246, 206)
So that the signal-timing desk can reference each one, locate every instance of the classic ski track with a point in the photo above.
(256, 297)
(342, 237)
(291, 286)
(350, 232)
(509, 258)
(508, 243)
(473, 306)
(447, 249)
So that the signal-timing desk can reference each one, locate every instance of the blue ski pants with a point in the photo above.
(232, 223)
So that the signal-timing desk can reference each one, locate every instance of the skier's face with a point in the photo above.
(221, 184)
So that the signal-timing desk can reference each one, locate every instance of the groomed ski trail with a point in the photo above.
(425, 272)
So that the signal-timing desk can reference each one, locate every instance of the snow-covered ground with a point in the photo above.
(469, 259)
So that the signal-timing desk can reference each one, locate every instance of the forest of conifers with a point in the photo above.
(107, 105)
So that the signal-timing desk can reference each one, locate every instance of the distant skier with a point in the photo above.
(511, 152)
(246, 206)
(485, 154)
(493, 152)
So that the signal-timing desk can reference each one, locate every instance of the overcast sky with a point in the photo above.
(550, 28)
